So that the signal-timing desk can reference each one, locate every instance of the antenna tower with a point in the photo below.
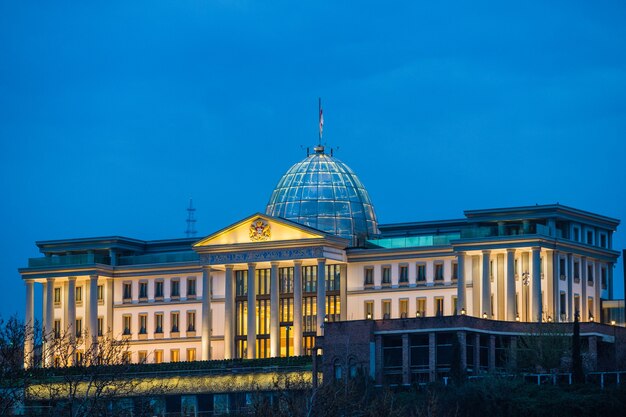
(191, 220)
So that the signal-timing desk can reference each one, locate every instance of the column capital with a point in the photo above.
(274, 263)
(251, 264)
(297, 263)
(71, 278)
(93, 277)
(511, 250)
(319, 260)
(49, 279)
(534, 248)
(229, 266)
(486, 252)
(206, 268)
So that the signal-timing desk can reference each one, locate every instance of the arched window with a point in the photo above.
(337, 371)
(352, 368)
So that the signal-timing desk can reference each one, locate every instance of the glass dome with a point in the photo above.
(324, 193)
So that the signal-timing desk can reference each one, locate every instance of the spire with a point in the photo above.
(191, 221)
(320, 148)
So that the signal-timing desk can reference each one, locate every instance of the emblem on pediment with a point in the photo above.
(260, 230)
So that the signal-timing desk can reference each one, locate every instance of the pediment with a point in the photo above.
(260, 228)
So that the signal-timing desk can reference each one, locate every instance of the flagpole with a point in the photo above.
(319, 121)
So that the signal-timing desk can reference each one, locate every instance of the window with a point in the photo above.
(79, 328)
(515, 270)
(589, 237)
(79, 295)
(158, 322)
(421, 273)
(143, 324)
(590, 274)
(57, 329)
(576, 271)
(455, 305)
(404, 274)
(158, 356)
(127, 325)
(142, 355)
(100, 326)
(603, 240)
(100, 294)
(127, 357)
(576, 234)
(439, 306)
(369, 275)
(158, 290)
(57, 296)
(191, 354)
(455, 271)
(191, 288)
(175, 318)
(404, 308)
(421, 307)
(143, 291)
(175, 289)
(369, 310)
(128, 291)
(438, 272)
(590, 308)
(562, 305)
(191, 321)
(386, 275)
(577, 304)
(337, 370)
(603, 277)
(80, 357)
(175, 355)
(562, 268)
(491, 271)
(386, 309)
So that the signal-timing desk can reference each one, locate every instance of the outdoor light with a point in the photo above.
(549, 319)
(612, 322)
(326, 318)
(517, 317)
(463, 311)
(590, 317)
(418, 314)
(484, 314)
(369, 316)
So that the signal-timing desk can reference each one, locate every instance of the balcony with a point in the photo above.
(160, 258)
(68, 260)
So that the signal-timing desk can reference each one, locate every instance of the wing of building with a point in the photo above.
(265, 285)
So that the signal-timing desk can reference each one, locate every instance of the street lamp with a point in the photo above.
(463, 312)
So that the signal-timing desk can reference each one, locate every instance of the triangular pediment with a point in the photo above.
(260, 228)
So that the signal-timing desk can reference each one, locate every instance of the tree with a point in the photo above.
(577, 360)
(13, 378)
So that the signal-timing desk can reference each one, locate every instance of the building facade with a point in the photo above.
(266, 285)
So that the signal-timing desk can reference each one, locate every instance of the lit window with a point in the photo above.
(57, 295)
(100, 326)
(100, 294)
(386, 308)
(369, 310)
(421, 307)
(439, 306)
(158, 356)
(79, 328)
(175, 355)
(142, 355)
(191, 354)
(79, 295)
(57, 329)
(404, 308)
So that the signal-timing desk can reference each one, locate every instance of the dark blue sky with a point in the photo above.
(113, 114)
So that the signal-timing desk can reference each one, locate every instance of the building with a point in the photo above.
(266, 285)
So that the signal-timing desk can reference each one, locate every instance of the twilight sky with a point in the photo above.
(114, 114)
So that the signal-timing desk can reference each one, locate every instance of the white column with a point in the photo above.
(536, 301)
(321, 295)
(274, 319)
(251, 338)
(460, 297)
(70, 308)
(93, 309)
(343, 292)
(206, 313)
(229, 310)
(486, 286)
(510, 284)
(570, 288)
(49, 307)
(584, 314)
(297, 308)
(30, 321)
(108, 299)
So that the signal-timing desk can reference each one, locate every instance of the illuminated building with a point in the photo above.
(318, 255)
